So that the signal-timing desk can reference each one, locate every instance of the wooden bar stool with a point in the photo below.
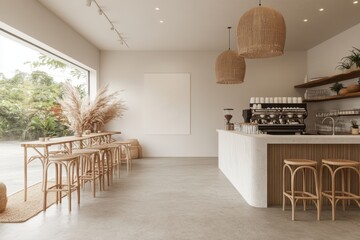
(90, 167)
(71, 164)
(106, 162)
(116, 156)
(125, 150)
(345, 167)
(295, 165)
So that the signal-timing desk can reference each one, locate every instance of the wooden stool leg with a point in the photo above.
(333, 205)
(93, 173)
(45, 187)
(103, 168)
(348, 185)
(127, 158)
(343, 187)
(77, 180)
(111, 165)
(97, 160)
(284, 187)
(118, 157)
(304, 186)
(68, 178)
(293, 202)
(107, 167)
(129, 155)
(321, 186)
(318, 208)
(59, 180)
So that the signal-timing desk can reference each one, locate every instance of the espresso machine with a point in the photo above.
(279, 118)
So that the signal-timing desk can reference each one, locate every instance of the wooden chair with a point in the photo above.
(344, 167)
(71, 164)
(300, 165)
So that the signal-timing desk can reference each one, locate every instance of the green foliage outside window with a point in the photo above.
(28, 106)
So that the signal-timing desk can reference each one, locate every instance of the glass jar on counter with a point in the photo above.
(249, 128)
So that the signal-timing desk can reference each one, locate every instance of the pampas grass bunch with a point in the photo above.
(83, 114)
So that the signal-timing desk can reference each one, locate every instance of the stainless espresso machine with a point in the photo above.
(278, 118)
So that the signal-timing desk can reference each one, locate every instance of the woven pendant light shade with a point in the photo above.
(261, 33)
(230, 68)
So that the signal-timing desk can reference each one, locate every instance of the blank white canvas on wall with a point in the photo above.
(166, 103)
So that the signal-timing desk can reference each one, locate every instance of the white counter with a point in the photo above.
(243, 159)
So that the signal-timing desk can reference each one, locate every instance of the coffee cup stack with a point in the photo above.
(266, 100)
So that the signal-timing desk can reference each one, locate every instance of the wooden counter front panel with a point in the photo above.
(276, 153)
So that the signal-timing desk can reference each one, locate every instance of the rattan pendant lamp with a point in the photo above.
(230, 67)
(261, 33)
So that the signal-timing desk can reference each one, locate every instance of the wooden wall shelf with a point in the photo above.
(332, 79)
(337, 97)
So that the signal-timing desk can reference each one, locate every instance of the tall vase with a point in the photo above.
(78, 134)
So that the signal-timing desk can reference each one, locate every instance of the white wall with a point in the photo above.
(266, 77)
(34, 20)
(322, 60)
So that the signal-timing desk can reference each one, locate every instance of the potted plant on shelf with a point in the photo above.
(345, 65)
(354, 127)
(355, 57)
(351, 62)
(337, 87)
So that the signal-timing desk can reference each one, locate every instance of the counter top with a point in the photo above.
(313, 139)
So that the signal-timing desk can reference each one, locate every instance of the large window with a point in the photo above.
(30, 84)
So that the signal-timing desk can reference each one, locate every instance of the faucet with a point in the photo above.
(333, 124)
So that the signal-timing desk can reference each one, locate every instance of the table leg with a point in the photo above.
(25, 173)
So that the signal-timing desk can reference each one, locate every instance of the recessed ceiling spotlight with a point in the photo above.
(355, 2)
(161, 21)
(321, 9)
(157, 9)
(306, 20)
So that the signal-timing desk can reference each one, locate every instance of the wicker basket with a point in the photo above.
(230, 68)
(261, 33)
(3, 197)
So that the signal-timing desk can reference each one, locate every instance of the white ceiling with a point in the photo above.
(199, 25)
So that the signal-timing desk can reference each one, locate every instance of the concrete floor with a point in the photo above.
(177, 198)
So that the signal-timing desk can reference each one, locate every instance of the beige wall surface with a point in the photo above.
(321, 61)
(34, 20)
(264, 77)
(323, 58)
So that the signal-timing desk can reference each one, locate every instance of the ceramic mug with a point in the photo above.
(284, 100)
(289, 100)
(262, 100)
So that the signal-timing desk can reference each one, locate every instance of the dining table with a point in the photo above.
(44, 148)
